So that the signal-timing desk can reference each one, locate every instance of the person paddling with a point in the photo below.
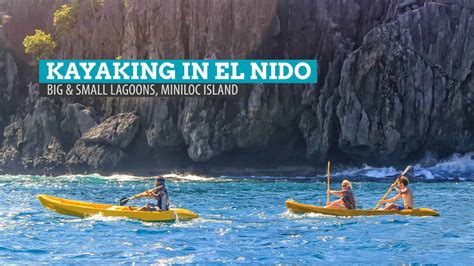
(404, 192)
(159, 193)
(347, 200)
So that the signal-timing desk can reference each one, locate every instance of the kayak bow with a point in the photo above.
(86, 209)
(305, 208)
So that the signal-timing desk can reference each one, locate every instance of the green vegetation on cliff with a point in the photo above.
(39, 46)
(64, 19)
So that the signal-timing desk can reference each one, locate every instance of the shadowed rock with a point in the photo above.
(78, 119)
(97, 156)
(102, 146)
(118, 130)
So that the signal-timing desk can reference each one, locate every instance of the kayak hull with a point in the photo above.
(87, 209)
(306, 208)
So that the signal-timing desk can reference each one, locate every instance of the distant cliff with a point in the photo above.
(395, 81)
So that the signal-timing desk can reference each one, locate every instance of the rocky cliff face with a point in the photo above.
(22, 17)
(395, 81)
(409, 85)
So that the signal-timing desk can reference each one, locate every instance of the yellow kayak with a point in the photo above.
(85, 209)
(304, 208)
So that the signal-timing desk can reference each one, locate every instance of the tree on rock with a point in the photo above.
(39, 46)
(64, 19)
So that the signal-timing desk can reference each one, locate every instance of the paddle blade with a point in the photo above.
(124, 201)
(406, 170)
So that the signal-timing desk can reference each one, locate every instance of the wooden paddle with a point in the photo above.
(391, 187)
(329, 182)
(125, 200)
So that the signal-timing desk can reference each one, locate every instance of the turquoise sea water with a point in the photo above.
(242, 220)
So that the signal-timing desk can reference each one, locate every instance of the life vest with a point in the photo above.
(163, 201)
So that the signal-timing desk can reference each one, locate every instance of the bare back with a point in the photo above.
(407, 195)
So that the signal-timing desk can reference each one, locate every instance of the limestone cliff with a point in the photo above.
(395, 81)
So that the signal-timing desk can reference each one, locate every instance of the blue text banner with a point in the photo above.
(177, 71)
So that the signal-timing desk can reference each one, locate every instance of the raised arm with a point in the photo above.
(145, 194)
(335, 192)
(397, 197)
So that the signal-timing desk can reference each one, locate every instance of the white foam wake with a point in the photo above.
(457, 166)
(188, 177)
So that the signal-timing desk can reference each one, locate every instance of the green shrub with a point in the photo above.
(64, 19)
(39, 46)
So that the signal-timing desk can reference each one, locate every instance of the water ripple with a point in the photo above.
(241, 221)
